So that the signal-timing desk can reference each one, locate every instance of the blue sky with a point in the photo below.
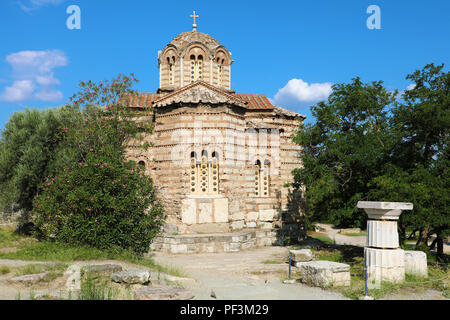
(292, 51)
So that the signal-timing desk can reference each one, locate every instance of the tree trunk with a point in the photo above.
(440, 246)
(433, 244)
(401, 233)
(412, 236)
(422, 240)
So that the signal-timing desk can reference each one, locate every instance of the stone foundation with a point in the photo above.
(211, 243)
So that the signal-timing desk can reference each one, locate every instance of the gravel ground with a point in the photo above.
(243, 276)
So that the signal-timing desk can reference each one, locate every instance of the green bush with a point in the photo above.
(101, 200)
(101, 204)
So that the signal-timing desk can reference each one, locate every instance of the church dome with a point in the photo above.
(192, 56)
(185, 39)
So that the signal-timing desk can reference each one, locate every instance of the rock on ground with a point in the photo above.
(133, 276)
(163, 293)
(29, 278)
(103, 268)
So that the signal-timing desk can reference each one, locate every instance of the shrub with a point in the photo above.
(101, 204)
(100, 200)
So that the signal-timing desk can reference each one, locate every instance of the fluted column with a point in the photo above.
(384, 260)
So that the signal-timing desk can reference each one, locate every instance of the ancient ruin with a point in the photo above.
(220, 160)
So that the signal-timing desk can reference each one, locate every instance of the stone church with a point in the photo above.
(220, 160)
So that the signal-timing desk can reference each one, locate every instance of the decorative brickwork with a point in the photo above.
(219, 160)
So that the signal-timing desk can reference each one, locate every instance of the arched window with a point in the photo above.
(257, 178)
(141, 164)
(262, 178)
(220, 75)
(214, 174)
(193, 173)
(266, 179)
(221, 61)
(204, 174)
(196, 67)
(171, 66)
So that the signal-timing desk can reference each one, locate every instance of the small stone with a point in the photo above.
(301, 255)
(163, 293)
(46, 297)
(289, 281)
(133, 276)
(30, 278)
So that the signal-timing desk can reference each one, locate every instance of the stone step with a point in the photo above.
(213, 242)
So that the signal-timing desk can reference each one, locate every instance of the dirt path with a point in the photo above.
(245, 275)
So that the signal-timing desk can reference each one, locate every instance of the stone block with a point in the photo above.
(416, 263)
(29, 278)
(205, 211)
(237, 225)
(325, 273)
(301, 255)
(221, 210)
(238, 216)
(384, 265)
(265, 225)
(267, 215)
(178, 248)
(170, 228)
(163, 293)
(103, 268)
(384, 210)
(251, 224)
(189, 211)
(382, 234)
(264, 241)
(209, 228)
(252, 216)
(133, 276)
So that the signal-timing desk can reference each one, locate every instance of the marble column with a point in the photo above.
(384, 259)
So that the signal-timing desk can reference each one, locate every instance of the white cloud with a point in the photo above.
(49, 95)
(20, 90)
(30, 5)
(297, 92)
(34, 76)
(411, 86)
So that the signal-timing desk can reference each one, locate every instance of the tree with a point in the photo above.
(366, 145)
(100, 198)
(28, 150)
(419, 162)
(344, 150)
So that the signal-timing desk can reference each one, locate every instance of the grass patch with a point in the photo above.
(54, 270)
(272, 262)
(324, 239)
(355, 234)
(31, 250)
(4, 270)
(7, 235)
(96, 287)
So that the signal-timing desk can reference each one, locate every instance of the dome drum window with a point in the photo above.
(196, 67)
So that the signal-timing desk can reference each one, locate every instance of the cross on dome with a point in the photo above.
(194, 26)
